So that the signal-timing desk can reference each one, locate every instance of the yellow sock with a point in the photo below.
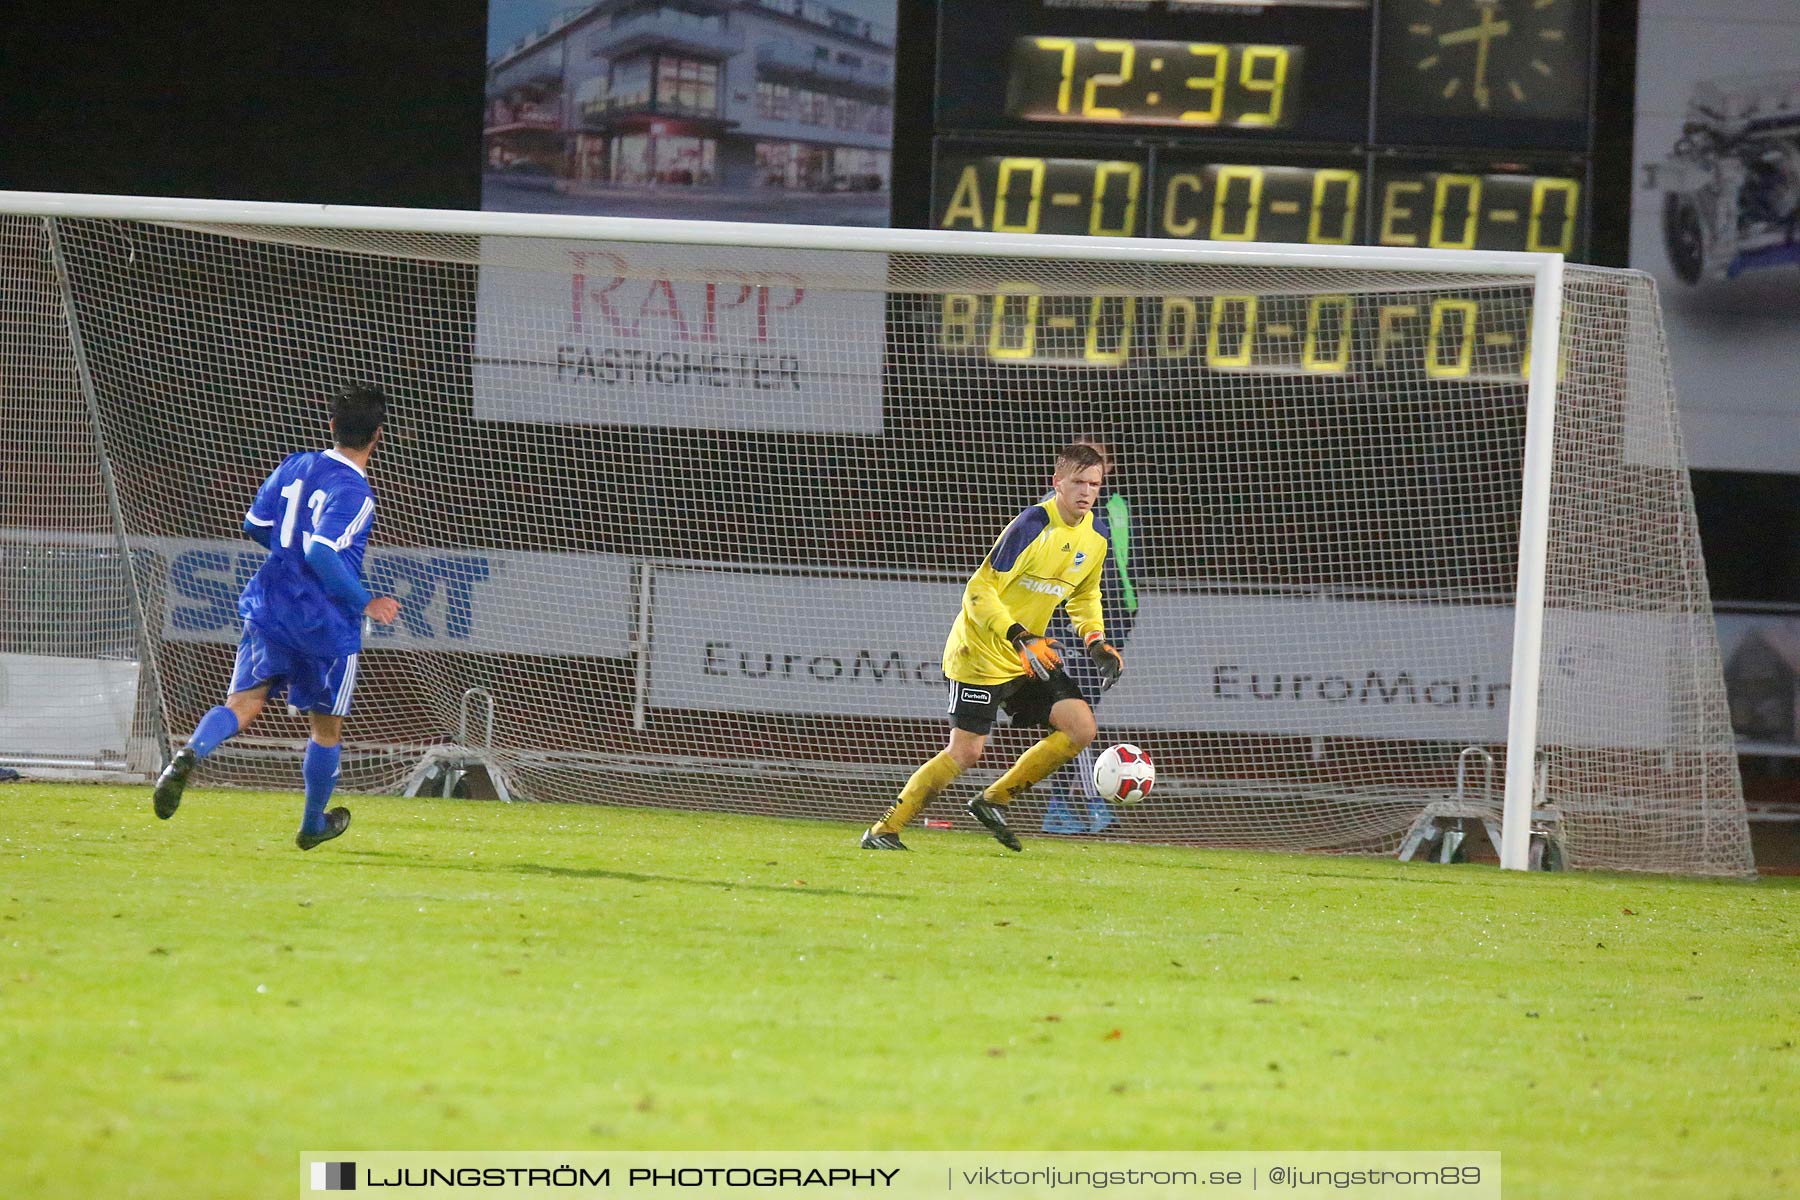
(1035, 764)
(926, 782)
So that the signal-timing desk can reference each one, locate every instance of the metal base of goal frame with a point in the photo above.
(446, 767)
(1439, 834)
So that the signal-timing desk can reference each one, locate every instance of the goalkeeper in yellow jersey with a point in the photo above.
(998, 657)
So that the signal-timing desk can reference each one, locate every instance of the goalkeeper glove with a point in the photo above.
(1038, 654)
(1107, 660)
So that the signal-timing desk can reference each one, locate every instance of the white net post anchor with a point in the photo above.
(448, 766)
(1438, 833)
(1545, 852)
(1438, 830)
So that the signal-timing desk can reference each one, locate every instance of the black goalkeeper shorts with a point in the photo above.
(1027, 700)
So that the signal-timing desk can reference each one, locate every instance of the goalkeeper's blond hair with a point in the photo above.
(1078, 456)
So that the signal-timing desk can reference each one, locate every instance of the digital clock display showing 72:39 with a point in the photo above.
(1192, 85)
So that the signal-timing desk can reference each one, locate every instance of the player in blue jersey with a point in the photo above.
(303, 610)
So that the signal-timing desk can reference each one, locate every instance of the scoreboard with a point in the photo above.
(1450, 123)
(1246, 405)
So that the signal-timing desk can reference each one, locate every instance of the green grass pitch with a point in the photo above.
(186, 1006)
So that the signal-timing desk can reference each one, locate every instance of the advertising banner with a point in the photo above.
(679, 337)
(1761, 652)
(865, 647)
(873, 647)
(457, 601)
(756, 110)
(66, 707)
(1715, 217)
(791, 641)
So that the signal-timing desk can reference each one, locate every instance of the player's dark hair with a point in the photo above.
(356, 413)
(1078, 456)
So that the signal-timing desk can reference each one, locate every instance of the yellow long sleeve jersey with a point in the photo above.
(1041, 561)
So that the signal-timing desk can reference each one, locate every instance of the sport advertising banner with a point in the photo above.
(1715, 216)
(453, 601)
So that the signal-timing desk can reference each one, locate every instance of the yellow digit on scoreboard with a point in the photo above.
(1034, 170)
(1471, 185)
(1338, 358)
(1464, 312)
(1252, 179)
(1212, 86)
(957, 325)
(1101, 320)
(1090, 105)
(1395, 211)
(1274, 84)
(1541, 190)
(1132, 176)
(1239, 357)
(1025, 344)
(1322, 185)
(1064, 48)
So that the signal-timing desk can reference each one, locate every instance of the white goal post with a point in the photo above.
(679, 511)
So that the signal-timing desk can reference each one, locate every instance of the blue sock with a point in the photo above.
(321, 772)
(218, 724)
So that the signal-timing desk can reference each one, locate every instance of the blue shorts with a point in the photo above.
(317, 685)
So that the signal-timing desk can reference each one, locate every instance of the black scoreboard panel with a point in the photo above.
(1220, 193)
(1505, 73)
(1329, 122)
(1448, 123)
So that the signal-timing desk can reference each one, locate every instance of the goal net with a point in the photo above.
(679, 514)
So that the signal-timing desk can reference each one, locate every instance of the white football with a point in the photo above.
(1124, 774)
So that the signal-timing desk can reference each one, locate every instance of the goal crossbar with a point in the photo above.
(733, 234)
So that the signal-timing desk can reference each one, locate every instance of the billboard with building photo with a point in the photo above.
(733, 110)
